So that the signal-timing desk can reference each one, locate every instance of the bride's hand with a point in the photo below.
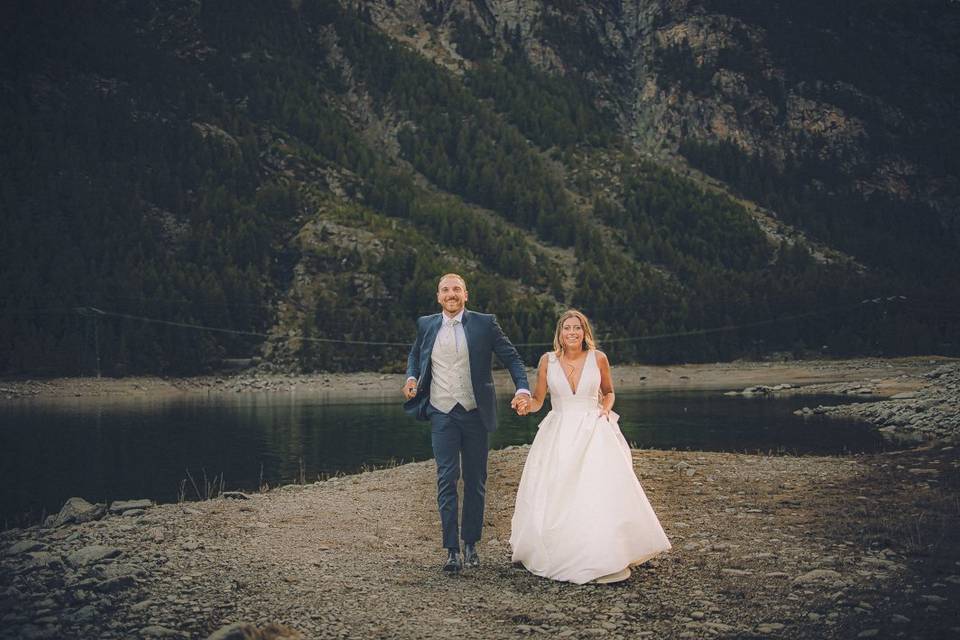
(604, 413)
(521, 404)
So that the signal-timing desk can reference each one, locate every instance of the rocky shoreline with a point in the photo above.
(930, 412)
(764, 545)
(927, 407)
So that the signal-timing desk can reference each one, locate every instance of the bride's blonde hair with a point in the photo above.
(588, 341)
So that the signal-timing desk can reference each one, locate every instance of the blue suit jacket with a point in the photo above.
(484, 338)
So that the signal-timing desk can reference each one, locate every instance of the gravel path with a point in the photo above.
(764, 546)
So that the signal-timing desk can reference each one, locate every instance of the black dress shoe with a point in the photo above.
(453, 564)
(470, 556)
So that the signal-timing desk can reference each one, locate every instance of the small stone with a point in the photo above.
(769, 627)
(932, 599)
(25, 546)
(92, 555)
(235, 495)
(868, 633)
(44, 560)
(117, 584)
(143, 605)
(120, 506)
(156, 631)
(85, 613)
(817, 575)
(116, 570)
(899, 619)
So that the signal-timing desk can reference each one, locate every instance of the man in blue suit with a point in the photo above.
(450, 383)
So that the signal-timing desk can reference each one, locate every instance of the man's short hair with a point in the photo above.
(452, 275)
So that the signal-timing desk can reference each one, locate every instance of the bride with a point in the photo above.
(581, 514)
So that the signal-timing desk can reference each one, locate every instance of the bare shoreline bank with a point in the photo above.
(889, 376)
(763, 546)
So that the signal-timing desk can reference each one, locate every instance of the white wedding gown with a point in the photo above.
(581, 513)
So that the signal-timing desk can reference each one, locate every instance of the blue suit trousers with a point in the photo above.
(460, 439)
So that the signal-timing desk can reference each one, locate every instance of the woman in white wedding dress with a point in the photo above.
(581, 514)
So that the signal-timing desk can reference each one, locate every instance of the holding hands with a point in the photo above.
(521, 404)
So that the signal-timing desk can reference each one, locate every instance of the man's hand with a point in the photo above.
(521, 404)
(410, 389)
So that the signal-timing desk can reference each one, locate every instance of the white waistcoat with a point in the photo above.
(450, 373)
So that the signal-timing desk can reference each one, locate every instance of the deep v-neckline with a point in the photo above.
(583, 369)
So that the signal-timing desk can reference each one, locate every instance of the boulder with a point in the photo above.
(77, 510)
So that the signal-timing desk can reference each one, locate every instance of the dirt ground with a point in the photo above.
(764, 546)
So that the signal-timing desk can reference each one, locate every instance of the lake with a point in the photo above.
(109, 450)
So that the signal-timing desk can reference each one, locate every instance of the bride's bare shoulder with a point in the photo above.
(602, 357)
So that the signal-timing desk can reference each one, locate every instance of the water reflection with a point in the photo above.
(131, 449)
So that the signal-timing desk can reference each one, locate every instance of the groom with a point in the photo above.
(450, 383)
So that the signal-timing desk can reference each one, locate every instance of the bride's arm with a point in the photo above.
(540, 392)
(607, 397)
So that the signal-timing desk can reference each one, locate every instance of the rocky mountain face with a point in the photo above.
(864, 88)
(707, 179)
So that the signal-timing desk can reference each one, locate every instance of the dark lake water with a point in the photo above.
(143, 449)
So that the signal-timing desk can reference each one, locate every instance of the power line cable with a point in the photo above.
(94, 311)
(239, 332)
(730, 327)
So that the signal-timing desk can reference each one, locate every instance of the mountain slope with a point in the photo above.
(289, 171)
